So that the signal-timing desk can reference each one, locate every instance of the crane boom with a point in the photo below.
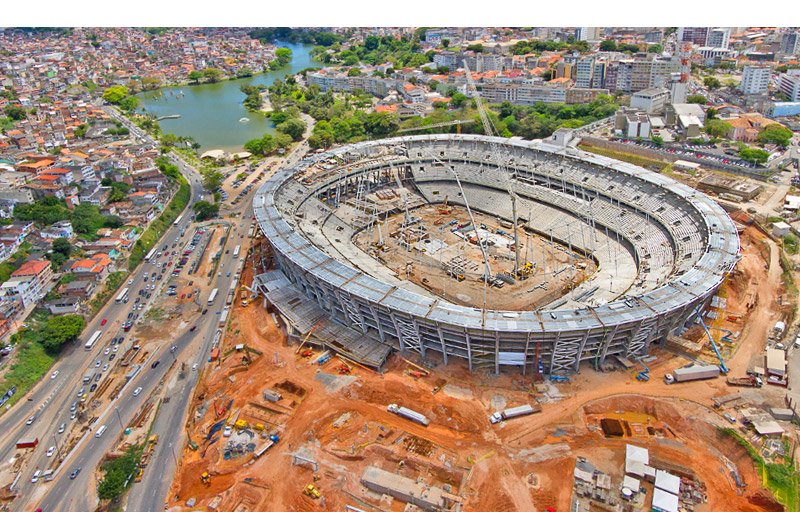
(473, 89)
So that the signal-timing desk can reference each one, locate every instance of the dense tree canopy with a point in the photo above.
(717, 128)
(115, 94)
(204, 210)
(775, 134)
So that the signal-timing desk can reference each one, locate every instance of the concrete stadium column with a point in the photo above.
(441, 339)
(580, 351)
(469, 348)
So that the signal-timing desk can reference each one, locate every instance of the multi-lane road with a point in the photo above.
(51, 399)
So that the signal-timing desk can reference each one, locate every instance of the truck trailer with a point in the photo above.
(694, 372)
(409, 414)
(751, 381)
(514, 412)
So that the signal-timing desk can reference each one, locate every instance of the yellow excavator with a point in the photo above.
(311, 491)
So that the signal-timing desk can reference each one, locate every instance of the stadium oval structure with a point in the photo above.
(662, 248)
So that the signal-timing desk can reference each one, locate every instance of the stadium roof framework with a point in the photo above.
(680, 243)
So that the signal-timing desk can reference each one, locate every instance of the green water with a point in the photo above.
(211, 113)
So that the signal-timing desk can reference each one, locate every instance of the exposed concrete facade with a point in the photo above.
(683, 245)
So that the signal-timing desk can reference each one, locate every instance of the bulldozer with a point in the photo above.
(525, 271)
(311, 491)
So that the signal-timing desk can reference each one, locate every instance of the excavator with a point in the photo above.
(311, 491)
(444, 209)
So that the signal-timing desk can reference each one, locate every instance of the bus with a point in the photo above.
(122, 297)
(151, 254)
(178, 220)
(236, 251)
(212, 296)
(96, 336)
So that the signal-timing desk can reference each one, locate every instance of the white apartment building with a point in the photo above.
(755, 79)
(584, 70)
(719, 38)
(789, 84)
(652, 101)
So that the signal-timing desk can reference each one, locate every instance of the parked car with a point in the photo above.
(104, 321)
(92, 388)
(155, 363)
(62, 428)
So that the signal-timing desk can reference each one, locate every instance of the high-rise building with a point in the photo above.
(694, 35)
(755, 79)
(719, 38)
(790, 43)
(587, 34)
(584, 72)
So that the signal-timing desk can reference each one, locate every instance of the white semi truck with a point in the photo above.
(694, 372)
(408, 414)
(514, 412)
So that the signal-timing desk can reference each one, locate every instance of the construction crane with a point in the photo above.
(456, 123)
(488, 128)
(722, 367)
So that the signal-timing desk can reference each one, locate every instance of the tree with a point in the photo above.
(62, 245)
(609, 45)
(477, 48)
(756, 156)
(129, 104)
(712, 82)
(717, 128)
(115, 94)
(212, 75)
(212, 180)
(60, 330)
(195, 76)
(458, 100)
(244, 72)
(295, 128)
(150, 82)
(655, 48)
(696, 98)
(775, 134)
(204, 210)
(15, 112)
(81, 130)
(354, 72)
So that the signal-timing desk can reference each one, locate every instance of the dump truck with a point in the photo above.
(693, 372)
(514, 412)
(408, 414)
(751, 381)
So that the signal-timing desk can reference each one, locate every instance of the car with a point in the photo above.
(116, 347)
(81, 392)
(137, 391)
(194, 367)
(205, 311)
(104, 321)
(62, 428)
(105, 367)
(111, 357)
(75, 414)
(31, 420)
(130, 281)
(107, 351)
(228, 275)
(98, 363)
(74, 473)
(155, 363)
(219, 274)
(98, 377)
(51, 451)
(74, 406)
(92, 388)
(130, 315)
(35, 477)
(192, 328)
(54, 375)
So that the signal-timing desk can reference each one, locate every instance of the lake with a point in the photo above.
(210, 113)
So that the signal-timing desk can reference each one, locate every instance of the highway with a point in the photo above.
(51, 398)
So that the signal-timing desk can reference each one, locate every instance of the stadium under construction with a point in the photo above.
(651, 252)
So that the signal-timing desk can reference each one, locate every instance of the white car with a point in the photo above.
(51, 451)
(194, 367)
(35, 477)
(55, 374)
(130, 281)
(105, 367)
(137, 391)
(116, 347)
(62, 428)
(107, 351)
